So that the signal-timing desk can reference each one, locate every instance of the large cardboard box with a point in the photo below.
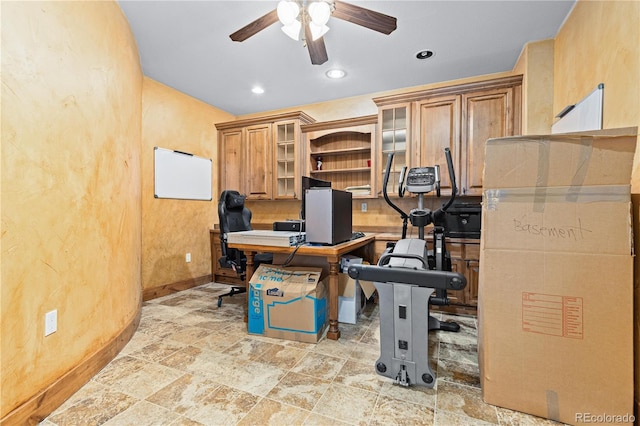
(635, 198)
(287, 303)
(555, 306)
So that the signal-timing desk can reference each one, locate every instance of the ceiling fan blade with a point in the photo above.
(317, 49)
(256, 26)
(365, 17)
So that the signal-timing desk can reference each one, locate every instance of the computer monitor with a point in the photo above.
(307, 183)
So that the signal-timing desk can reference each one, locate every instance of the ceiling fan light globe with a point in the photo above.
(320, 12)
(293, 30)
(288, 11)
(317, 31)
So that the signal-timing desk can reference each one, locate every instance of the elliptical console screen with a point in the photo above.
(422, 179)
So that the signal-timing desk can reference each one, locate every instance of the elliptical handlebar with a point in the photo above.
(403, 215)
(401, 186)
(452, 177)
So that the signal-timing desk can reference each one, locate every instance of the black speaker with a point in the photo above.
(289, 225)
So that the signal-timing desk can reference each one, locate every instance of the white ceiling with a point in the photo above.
(186, 45)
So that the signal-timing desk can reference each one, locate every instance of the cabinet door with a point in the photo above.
(457, 297)
(486, 114)
(231, 160)
(285, 135)
(471, 290)
(395, 137)
(259, 165)
(439, 120)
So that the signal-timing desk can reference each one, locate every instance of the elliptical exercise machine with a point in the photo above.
(406, 277)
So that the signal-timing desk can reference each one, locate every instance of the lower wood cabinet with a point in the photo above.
(465, 259)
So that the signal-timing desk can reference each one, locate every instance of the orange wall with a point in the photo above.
(600, 43)
(71, 204)
(536, 66)
(173, 120)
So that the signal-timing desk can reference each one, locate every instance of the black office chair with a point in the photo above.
(234, 217)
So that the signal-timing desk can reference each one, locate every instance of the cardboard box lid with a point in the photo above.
(572, 160)
(292, 280)
(347, 286)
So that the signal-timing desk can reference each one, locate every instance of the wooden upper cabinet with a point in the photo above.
(439, 121)
(460, 117)
(260, 156)
(231, 160)
(259, 162)
(488, 114)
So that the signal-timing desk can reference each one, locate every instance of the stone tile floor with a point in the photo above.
(192, 363)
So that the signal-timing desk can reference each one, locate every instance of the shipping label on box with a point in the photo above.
(287, 303)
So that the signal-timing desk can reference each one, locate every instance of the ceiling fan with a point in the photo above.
(307, 20)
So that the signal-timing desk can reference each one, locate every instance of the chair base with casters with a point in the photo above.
(259, 259)
(235, 217)
(234, 290)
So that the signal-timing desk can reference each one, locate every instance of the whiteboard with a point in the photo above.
(584, 116)
(181, 175)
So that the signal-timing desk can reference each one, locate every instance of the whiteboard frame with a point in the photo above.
(586, 115)
(180, 175)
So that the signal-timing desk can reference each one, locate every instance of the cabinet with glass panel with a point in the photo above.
(260, 156)
(285, 136)
(395, 138)
(417, 126)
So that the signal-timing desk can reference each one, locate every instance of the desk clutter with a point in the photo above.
(267, 238)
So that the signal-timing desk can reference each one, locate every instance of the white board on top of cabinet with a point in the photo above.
(584, 116)
(181, 175)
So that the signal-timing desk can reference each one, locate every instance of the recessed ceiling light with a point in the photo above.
(424, 54)
(336, 73)
(257, 90)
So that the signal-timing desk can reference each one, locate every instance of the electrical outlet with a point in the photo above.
(188, 257)
(50, 322)
(363, 207)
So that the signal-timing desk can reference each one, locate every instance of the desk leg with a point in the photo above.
(248, 275)
(334, 332)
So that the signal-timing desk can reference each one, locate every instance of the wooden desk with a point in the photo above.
(333, 254)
